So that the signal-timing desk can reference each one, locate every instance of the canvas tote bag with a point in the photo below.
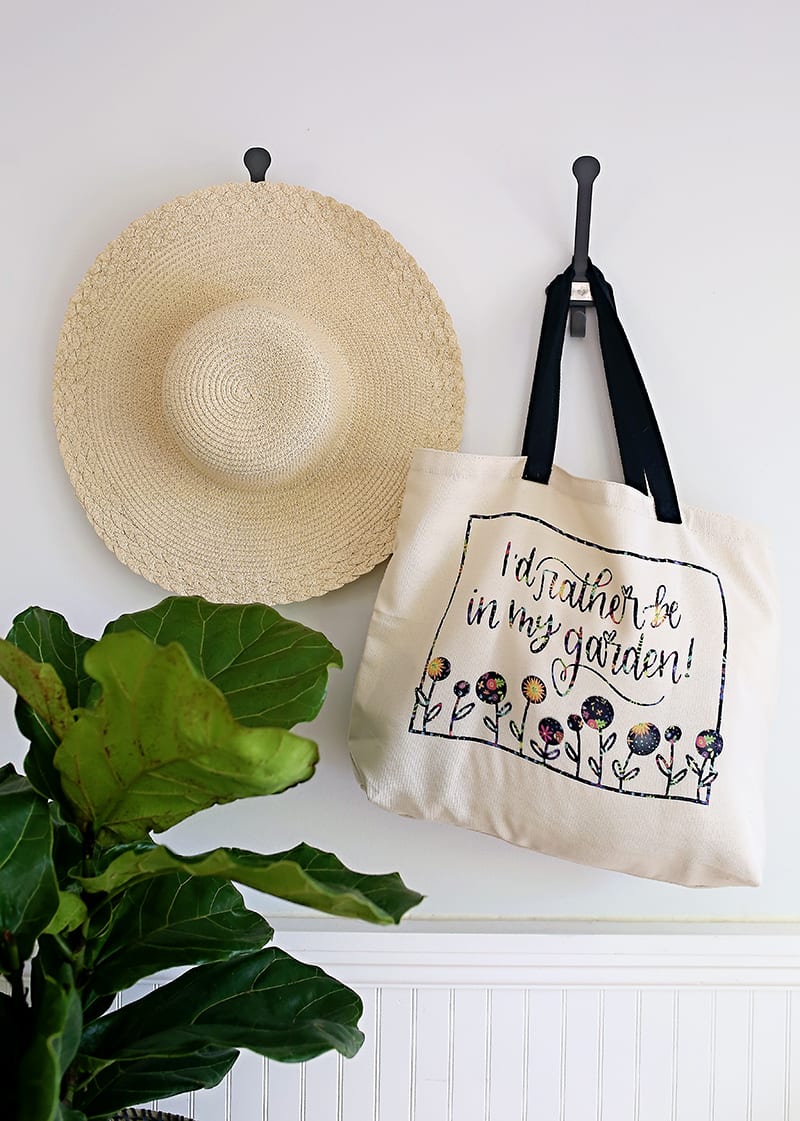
(582, 668)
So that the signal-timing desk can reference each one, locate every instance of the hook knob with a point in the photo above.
(257, 161)
(586, 169)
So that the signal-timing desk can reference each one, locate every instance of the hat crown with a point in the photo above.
(253, 393)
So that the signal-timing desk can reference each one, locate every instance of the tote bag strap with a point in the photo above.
(644, 458)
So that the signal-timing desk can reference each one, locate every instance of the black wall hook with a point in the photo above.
(257, 161)
(585, 169)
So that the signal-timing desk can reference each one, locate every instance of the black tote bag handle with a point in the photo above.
(644, 458)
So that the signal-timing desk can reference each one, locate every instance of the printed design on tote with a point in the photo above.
(614, 654)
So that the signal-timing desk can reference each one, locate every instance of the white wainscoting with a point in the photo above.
(634, 1025)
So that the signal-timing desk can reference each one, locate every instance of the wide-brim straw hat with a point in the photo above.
(241, 380)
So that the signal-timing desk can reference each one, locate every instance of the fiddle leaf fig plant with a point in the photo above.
(173, 710)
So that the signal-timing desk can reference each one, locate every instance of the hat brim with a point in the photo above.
(188, 530)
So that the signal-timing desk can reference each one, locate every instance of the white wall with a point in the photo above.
(455, 126)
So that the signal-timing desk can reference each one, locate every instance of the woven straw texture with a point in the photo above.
(241, 380)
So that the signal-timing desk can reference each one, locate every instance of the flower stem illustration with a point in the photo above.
(491, 688)
(598, 713)
(551, 734)
(534, 691)
(574, 723)
(667, 767)
(460, 689)
(437, 669)
(643, 739)
(709, 747)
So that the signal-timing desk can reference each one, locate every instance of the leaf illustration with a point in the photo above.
(47, 637)
(618, 769)
(504, 710)
(632, 773)
(663, 765)
(124, 1084)
(609, 743)
(303, 874)
(516, 732)
(553, 754)
(490, 724)
(692, 764)
(594, 766)
(678, 777)
(432, 713)
(570, 752)
(421, 698)
(161, 744)
(465, 710)
(710, 778)
(265, 1001)
(273, 671)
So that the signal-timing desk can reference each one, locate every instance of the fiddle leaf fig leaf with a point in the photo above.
(125, 1084)
(166, 921)
(302, 875)
(47, 637)
(55, 1036)
(39, 686)
(265, 1001)
(272, 671)
(28, 887)
(161, 744)
(70, 915)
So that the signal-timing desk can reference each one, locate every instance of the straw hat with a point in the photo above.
(241, 379)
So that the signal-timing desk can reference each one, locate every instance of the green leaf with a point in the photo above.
(70, 915)
(266, 1001)
(46, 637)
(54, 1042)
(302, 875)
(273, 671)
(169, 921)
(124, 1084)
(161, 744)
(38, 684)
(28, 886)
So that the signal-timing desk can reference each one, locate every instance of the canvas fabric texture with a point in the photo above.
(550, 663)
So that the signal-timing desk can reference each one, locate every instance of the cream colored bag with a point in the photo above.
(574, 666)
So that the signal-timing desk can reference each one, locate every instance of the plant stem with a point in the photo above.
(522, 727)
(671, 766)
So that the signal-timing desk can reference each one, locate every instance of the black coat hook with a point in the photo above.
(585, 169)
(257, 161)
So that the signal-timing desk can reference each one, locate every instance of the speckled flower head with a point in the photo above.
(491, 687)
(673, 734)
(574, 722)
(438, 669)
(643, 739)
(551, 731)
(709, 744)
(597, 713)
(534, 690)
(461, 688)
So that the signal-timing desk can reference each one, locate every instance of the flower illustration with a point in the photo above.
(667, 767)
(708, 745)
(534, 691)
(460, 690)
(551, 734)
(438, 669)
(491, 688)
(643, 739)
(575, 724)
(597, 713)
